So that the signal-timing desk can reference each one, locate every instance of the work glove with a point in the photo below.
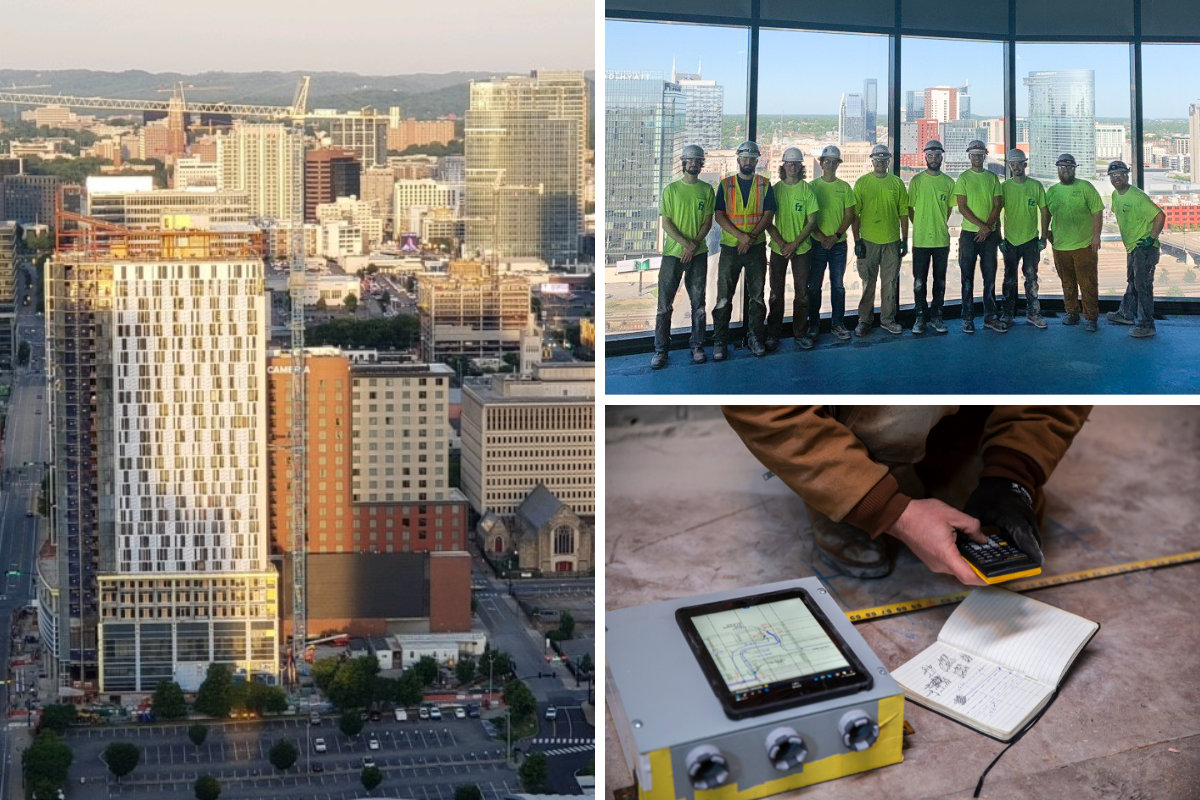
(1042, 244)
(1009, 506)
(1004, 247)
(1147, 241)
(860, 249)
(903, 248)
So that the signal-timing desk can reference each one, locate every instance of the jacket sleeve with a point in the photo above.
(822, 461)
(1025, 443)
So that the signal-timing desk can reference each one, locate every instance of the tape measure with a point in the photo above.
(1040, 582)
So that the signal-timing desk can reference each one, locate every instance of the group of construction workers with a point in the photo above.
(808, 221)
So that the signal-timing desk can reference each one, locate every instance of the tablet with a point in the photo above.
(769, 652)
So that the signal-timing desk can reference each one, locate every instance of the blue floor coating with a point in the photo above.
(1025, 360)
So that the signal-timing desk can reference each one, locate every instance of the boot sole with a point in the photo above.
(855, 570)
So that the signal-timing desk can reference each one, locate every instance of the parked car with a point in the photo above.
(423, 713)
(435, 713)
(401, 715)
(314, 718)
(318, 767)
(320, 746)
(473, 711)
(551, 713)
(368, 761)
(460, 713)
(374, 716)
(372, 743)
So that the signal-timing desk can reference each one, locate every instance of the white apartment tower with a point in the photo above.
(267, 161)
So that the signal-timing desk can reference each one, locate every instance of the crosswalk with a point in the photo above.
(573, 746)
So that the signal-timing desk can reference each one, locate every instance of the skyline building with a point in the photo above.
(157, 404)
(264, 159)
(525, 141)
(851, 122)
(472, 311)
(328, 175)
(870, 109)
(363, 133)
(645, 130)
(1194, 136)
(1062, 119)
(705, 109)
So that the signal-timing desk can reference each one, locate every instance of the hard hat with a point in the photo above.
(793, 154)
(934, 146)
(977, 146)
(880, 151)
(831, 151)
(692, 151)
(748, 150)
(1016, 155)
(1118, 166)
(1066, 160)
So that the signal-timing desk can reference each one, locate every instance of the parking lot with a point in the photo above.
(420, 759)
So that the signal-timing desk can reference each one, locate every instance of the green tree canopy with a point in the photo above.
(324, 671)
(388, 333)
(23, 354)
(350, 301)
(534, 772)
(215, 697)
(122, 758)
(464, 670)
(566, 624)
(410, 689)
(283, 754)
(48, 759)
(427, 668)
(371, 777)
(520, 701)
(350, 723)
(468, 791)
(58, 717)
(168, 701)
(499, 663)
(198, 734)
(354, 683)
(207, 788)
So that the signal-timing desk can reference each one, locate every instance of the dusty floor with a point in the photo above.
(697, 515)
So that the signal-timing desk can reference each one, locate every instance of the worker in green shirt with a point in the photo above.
(1141, 221)
(687, 213)
(978, 193)
(745, 206)
(1071, 222)
(932, 196)
(1021, 197)
(791, 232)
(835, 214)
(880, 241)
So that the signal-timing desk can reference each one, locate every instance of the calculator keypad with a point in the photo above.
(997, 556)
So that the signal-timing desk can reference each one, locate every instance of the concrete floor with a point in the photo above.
(1025, 360)
(697, 516)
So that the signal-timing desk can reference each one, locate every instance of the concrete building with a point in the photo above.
(264, 160)
(645, 125)
(411, 197)
(471, 312)
(364, 133)
(30, 199)
(121, 201)
(159, 439)
(520, 432)
(8, 246)
(705, 109)
(192, 172)
(405, 133)
(524, 145)
(357, 213)
(941, 103)
(452, 170)
(1110, 141)
(1062, 119)
(378, 187)
(328, 175)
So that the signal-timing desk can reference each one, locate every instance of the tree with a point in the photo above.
(283, 754)
(59, 717)
(371, 777)
(585, 664)
(566, 624)
(324, 671)
(350, 301)
(468, 791)
(215, 696)
(168, 701)
(534, 772)
(276, 700)
(350, 723)
(259, 698)
(410, 689)
(496, 663)
(322, 305)
(354, 683)
(207, 788)
(23, 354)
(198, 734)
(520, 701)
(122, 758)
(48, 759)
(464, 670)
(427, 668)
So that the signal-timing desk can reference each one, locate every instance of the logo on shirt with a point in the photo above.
(699, 205)
(799, 206)
(1032, 203)
(942, 197)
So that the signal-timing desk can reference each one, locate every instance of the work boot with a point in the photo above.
(1071, 319)
(805, 342)
(862, 329)
(1142, 331)
(1090, 325)
(840, 331)
(938, 325)
(1007, 320)
(995, 324)
(719, 352)
(849, 549)
(968, 326)
(919, 325)
(1117, 318)
(1036, 320)
(892, 328)
(758, 348)
(772, 344)
(698, 356)
(659, 360)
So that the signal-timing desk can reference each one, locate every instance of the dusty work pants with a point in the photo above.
(968, 251)
(883, 264)
(1077, 271)
(694, 275)
(1138, 302)
(923, 258)
(729, 268)
(779, 270)
(1027, 255)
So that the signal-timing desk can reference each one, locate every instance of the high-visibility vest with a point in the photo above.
(744, 217)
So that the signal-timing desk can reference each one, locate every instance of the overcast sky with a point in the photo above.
(370, 37)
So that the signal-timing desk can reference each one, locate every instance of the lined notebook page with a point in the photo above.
(971, 687)
(1023, 634)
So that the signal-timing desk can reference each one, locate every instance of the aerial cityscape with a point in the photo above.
(298, 394)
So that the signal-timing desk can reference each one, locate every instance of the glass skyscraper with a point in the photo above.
(1062, 119)
(645, 130)
(850, 119)
(870, 109)
(705, 108)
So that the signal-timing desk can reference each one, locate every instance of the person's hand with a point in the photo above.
(1042, 244)
(1147, 241)
(689, 252)
(1009, 506)
(984, 232)
(789, 249)
(743, 242)
(930, 529)
(1096, 247)
(828, 242)
(860, 248)
(903, 247)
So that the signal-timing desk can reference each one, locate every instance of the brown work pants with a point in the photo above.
(1077, 269)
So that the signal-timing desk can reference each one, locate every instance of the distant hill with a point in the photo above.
(423, 96)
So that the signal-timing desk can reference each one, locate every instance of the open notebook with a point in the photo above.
(997, 661)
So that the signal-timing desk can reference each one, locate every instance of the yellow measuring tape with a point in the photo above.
(1040, 582)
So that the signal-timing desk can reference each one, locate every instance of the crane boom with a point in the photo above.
(113, 104)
